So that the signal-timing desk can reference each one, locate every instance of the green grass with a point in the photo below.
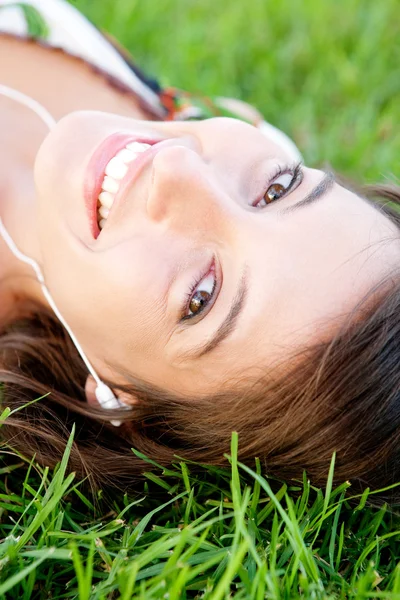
(325, 71)
(216, 534)
(328, 73)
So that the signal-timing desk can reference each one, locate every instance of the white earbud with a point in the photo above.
(107, 399)
(104, 394)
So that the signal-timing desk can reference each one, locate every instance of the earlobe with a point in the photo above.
(90, 392)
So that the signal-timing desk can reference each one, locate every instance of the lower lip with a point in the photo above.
(94, 175)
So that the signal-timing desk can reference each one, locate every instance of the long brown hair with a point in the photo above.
(341, 395)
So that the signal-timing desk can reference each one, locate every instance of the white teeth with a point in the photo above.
(127, 156)
(116, 170)
(106, 199)
(110, 185)
(104, 212)
(137, 147)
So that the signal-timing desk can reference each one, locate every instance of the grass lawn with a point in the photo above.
(328, 73)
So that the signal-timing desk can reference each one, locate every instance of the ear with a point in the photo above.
(90, 391)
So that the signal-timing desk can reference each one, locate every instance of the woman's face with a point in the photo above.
(189, 283)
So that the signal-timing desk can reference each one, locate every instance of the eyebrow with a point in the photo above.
(229, 323)
(316, 193)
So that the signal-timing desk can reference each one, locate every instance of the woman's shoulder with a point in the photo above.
(58, 24)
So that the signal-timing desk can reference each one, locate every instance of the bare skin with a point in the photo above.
(39, 72)
(123, 293)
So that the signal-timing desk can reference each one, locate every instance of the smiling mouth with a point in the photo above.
(114, 173)
(112, 168)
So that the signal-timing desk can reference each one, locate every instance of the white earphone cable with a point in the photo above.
(18, 254)
(30, 103)
(104, 394)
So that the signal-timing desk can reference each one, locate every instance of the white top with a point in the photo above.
(74, 33)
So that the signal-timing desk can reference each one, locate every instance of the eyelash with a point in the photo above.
(297, 176)
(195, 284)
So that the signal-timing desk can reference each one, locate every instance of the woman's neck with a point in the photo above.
(62, 84)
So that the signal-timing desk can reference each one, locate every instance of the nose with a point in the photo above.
(184, 191)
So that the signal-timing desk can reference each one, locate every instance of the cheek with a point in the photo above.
(109, 298)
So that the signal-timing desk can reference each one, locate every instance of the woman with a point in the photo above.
(212, 281)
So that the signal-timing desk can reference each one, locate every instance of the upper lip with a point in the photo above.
(95, 170)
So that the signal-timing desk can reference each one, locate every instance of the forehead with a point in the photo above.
(321, 263)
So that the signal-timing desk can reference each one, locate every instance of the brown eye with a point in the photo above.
(277, 189)
(198, 301)
(200, 296)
